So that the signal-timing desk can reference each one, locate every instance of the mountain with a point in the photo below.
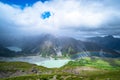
(50, 45)
(6, 52)
(107, 41)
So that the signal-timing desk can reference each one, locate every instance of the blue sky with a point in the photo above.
(45, 15)
(22, 3)
(74, 18)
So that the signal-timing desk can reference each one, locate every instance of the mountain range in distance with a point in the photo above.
(49, 46)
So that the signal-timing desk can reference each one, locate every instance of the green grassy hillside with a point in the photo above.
(81, 69)
(96, 62)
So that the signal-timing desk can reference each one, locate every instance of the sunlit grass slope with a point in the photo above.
(100, 63)
(93, 68)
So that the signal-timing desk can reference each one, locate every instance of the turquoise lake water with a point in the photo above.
(46, 62)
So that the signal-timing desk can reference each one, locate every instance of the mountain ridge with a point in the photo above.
(50, 45)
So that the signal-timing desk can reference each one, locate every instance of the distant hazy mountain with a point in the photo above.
(107, 41)
(49, 45)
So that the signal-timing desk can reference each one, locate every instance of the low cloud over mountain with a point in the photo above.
(72, 18)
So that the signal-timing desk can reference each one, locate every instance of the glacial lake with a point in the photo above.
(46, 62)
(14, 48)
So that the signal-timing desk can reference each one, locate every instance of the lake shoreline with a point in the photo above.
(38, 60)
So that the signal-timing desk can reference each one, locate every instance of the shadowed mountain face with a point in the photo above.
(49, 45)
(107, 41)
(6, 52)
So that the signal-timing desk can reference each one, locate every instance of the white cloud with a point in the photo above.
(64, 14)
